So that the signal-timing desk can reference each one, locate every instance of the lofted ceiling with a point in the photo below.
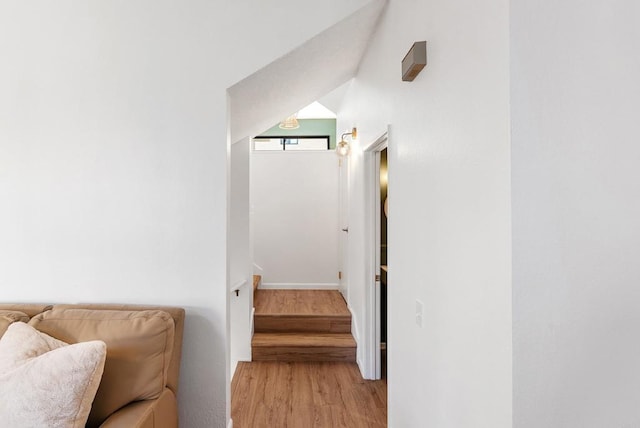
(307, 73)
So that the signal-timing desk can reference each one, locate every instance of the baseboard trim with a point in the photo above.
(234, 367)
(356, 336)
(354, 325)
(298, 286)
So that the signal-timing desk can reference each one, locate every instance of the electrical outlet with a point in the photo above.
(419, 313)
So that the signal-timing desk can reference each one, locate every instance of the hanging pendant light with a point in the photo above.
(290, 122)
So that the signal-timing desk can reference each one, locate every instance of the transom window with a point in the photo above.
(291, 143)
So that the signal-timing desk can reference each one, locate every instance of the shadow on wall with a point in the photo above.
(198, 346)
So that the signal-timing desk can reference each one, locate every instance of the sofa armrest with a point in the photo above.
(159, 413)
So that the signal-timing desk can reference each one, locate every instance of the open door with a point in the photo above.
(378, 261)
(381, 231)
(376, 185)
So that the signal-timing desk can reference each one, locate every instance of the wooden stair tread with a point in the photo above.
(308, 316)
(336, 340)
(300, 302)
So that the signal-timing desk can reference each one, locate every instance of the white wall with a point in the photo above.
(113, 156)
(449, 210)
(239, 254)
(576, 239)
(294, 202)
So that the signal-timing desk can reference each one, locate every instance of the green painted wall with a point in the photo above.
(307, 127)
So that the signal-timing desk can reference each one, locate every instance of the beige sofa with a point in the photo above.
(139, 385)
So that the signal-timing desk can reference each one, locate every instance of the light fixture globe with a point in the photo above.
(290, 122)
(343, 149)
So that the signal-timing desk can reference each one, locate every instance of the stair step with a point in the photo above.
(343, 340)
(303, 347)
(298, 302)
(292, 323)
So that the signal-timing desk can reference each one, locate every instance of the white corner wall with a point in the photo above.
(294, 218)
(239, 254)
(449, 210)
(576, 237)
(113, 157)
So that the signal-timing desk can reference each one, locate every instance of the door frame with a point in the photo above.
(372, 332)
(343, 222)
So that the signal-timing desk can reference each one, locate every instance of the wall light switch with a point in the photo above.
(419, 313)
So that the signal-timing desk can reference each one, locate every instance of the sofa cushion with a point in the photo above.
(46, 382)
(14, 315)
(31, 309)
(9, 317)
(5, 322)
(178, 315)
(139, 347)
(160, 413)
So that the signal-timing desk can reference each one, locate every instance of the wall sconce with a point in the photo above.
(414, 61)
(343, 148)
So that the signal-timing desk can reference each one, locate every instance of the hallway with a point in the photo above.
(312, 381)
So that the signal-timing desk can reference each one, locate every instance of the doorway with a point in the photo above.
(376, 212)
(383, 208)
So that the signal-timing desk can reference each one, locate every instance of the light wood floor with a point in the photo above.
(306, 395)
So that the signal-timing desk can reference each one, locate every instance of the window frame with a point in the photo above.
(291, 137)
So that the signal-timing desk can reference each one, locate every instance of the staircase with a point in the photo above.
(302, 325)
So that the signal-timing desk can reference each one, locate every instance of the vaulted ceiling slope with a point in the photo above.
(305, 74)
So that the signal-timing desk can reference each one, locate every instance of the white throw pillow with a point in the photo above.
(45, 382)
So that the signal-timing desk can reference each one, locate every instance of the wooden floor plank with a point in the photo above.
(314, 395)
